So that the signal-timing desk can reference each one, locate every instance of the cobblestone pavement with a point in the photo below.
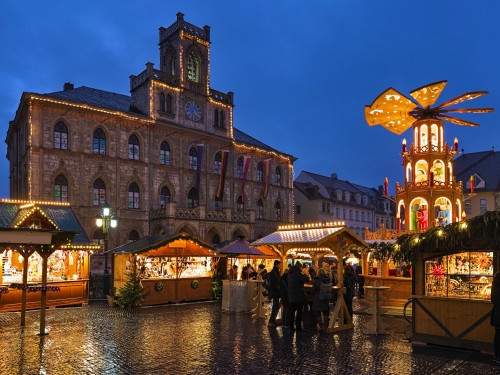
(199, 338)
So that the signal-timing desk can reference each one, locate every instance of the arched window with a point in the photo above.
(169, 61)
(218, 204)
(162, 102)
(260, 209)
(215, 239)
(61, 136)
(164, 196)
(133, 147)
(165, 153)
(99, 145)
(239, 168)
(193, 198)
(217, 163)
(98, 237)
(277, 209)
(240, 207)
(133, 195)
(193, 68)
(193, 158)
(133, 236)
(277, 176)
(260, 173)
(99, 193)
(216, 117)
(169, 104)
(61, 189)
(221, 119)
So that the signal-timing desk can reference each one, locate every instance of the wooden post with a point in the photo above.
(26, 255)
(376, 326)
(259, 311)
(44, 294)
(340, 313)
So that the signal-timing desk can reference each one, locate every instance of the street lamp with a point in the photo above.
(106, 220)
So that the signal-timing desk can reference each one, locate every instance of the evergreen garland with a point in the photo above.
(132, 293)
(478, 233)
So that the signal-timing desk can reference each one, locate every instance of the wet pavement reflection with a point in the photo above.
(199, 338)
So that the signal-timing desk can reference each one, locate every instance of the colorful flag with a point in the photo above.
(246, 166)
(198, 167)
(222, 178)
(265, 189)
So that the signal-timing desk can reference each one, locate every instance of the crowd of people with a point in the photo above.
(287, 290)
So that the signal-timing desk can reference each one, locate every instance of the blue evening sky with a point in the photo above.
(301, 71)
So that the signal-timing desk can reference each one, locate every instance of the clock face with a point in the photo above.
(193, 111)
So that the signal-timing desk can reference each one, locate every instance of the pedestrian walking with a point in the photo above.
(274, 292)
(495, 314)
(349, 286)
(322, 290)
(296, 295)
(284, 299)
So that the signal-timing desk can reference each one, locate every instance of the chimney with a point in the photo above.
(381, 189)
(334, 176)
(68, 86)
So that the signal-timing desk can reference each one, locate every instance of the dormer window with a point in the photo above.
(339, 195)
(365, 200)
(347, 196)
(358, 199)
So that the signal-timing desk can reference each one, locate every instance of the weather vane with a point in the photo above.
(397, 113)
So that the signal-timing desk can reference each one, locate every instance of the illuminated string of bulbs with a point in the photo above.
(331, 224)
(29, 202)
(33, 211)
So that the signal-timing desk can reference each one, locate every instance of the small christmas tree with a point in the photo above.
(132, 293)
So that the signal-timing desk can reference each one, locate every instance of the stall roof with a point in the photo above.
(309, 236)
(369, 242)
(154, 242)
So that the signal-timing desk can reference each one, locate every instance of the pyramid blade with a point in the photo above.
(467, 110)
(391, 106)
(463, 98)
(428, 94)
(458, 121)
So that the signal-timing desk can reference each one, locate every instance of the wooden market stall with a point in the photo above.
(172, 268)
(64, 255)
(318, 240)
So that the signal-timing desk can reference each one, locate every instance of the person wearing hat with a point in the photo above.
(296, 295)
(274, 292)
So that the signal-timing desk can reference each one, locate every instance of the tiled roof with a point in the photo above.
(119, 102)
(333, 183)
(8, 213)
(485, 164)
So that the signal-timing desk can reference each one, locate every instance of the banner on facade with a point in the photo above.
(222, 177)
(199, 162)
(265, 189)
(246, 166)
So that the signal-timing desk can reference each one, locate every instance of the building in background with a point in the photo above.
(322, 199)
(485, 168)
(167, 158)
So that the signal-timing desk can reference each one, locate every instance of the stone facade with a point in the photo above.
(37, 158)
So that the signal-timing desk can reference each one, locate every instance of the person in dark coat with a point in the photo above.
(274, 292)
(296, 295)
(321, 306)
(284, 299)
(495, 314)
(361, 282)
(349, 286)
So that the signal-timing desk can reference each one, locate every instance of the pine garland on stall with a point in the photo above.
(132, 293)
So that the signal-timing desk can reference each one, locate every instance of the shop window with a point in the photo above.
(133, 196)
(240, 205)
(260, 209)
(193, 198)
(482, 206)
(239, 168)
(133, 147)
(193, 68)
(260, 173)
(466, 275)
(193, 158)
(99, 144)
(162, 102)
(99, 193)
(165, 153)
(277, 176)
(217, 163)
(61, 189)
(164, 196)
(61, 136)
(277, 210)
(133, 236)
(168, 104)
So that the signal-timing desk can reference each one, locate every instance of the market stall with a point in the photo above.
(172, 268)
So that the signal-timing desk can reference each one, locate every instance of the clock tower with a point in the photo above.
(179, 91)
